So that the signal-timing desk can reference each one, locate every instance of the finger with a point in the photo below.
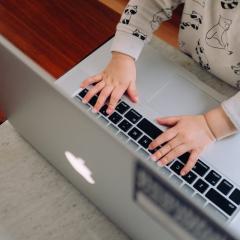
(94, 90)
(168, 121)
(132, 91)
(174, 153)
(91, 80)
(162, 138)
(105, 93)
(190, 163)
(115, 96)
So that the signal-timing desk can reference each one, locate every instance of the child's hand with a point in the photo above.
(113, 81)
(187, 134)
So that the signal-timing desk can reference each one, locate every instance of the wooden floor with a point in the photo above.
(168, 30)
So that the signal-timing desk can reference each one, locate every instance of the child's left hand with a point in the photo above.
(186, 134)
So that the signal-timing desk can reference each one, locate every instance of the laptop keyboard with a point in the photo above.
(207, 187)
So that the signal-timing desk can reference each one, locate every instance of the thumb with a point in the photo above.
(168, 121)
(132, 91)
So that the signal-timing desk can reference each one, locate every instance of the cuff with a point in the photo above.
(128, 44)
(232, 108)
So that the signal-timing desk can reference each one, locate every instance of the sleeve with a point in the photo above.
(232, 108)
(138, 22)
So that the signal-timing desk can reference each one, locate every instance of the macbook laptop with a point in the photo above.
(106, 157)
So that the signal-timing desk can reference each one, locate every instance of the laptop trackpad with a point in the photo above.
(180, 97)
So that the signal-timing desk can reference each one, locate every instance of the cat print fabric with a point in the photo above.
(209, 32)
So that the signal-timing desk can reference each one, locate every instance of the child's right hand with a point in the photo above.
(119, 76)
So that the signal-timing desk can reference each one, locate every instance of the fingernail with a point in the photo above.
(182, 173)
(84, 101)
(150, 147)
(109, 110)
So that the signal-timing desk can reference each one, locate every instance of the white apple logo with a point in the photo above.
(79, 165)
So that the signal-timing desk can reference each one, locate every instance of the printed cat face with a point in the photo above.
(225, 23)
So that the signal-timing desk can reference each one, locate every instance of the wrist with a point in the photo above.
(219, 123)
(122, 56)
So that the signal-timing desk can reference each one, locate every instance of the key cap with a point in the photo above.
(103, 110)
(190, 177)
(144, 141)
(184, 157)
(133, 116)
(200, 185)
(83, 93)
(115, 117)
(200, 168)
(221, 201)
(93, 100)
(150, 129)
(224, 187)
(235, 196)
(154, 150)
(125, 125)
(176, 167)
(122, 107)
(213, 177)
(135, 133)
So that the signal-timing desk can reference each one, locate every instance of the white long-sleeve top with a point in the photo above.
(209, 33)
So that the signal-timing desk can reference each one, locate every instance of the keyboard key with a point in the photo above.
(135, 133)
(213, 177)
(215, 212)
(115, 117)
(190, 177)
(224, 187)
(176, 167)
(122, 107)
(165, 171)
(221, 201)
(83, 93)
(93, 100)
(184, 157)
(125, 125)
(200, 185)
(133, 116)
(144, 141)
(103, 110)
(154, 150)
(150, 129)
(235, 196)
(200, 168)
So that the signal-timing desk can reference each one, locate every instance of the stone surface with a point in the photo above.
(38, 203)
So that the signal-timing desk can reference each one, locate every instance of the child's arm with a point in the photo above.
(135, 28)
(194, 133)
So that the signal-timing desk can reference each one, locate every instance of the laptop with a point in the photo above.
(106, 158)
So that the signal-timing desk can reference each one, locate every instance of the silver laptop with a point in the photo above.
(106, 158)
